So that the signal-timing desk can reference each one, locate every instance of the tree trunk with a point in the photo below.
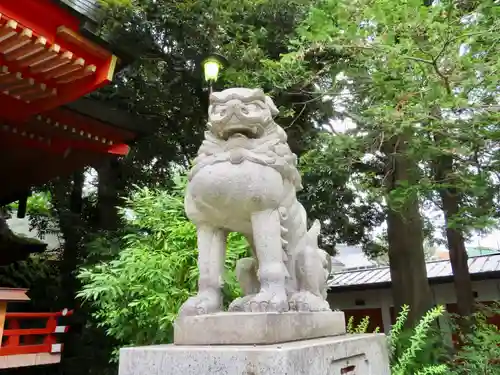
(69, 208)
(450, 199)
(108, 193)
(405, 237)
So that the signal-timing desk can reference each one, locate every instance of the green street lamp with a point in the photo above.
(212, 65)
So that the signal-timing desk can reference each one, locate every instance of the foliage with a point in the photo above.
(415, 351)
(136, 296)
(420, 83)
(406, 348)
(115, 3)
(38, 274)
(331, 194)
(405, 360)
(362, 326)
(37, 204)
(443, 58)
(480, 347)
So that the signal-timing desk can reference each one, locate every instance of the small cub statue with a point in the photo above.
(245, 180)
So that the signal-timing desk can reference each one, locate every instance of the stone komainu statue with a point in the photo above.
(245, 180)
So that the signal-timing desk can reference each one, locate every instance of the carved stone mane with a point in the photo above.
(269, 149)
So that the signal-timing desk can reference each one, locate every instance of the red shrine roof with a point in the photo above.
(47, 62)
(62, 140)
(44, 61)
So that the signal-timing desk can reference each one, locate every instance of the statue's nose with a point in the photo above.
(240, 108)
(233, 119)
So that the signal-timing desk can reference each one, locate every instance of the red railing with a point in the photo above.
(17, 340)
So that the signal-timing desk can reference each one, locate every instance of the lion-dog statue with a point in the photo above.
(245, 180)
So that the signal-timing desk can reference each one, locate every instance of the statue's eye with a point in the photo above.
(251, 107)
(219, 109)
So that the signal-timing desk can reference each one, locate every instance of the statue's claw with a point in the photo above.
(202, 303)
(306, 301)
(238, 305)
(267, 301)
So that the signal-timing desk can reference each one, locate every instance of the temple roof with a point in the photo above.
(15, 247)
(440, 270)
(88, 9)
(51, 58)
(92, 14)
(63, 140)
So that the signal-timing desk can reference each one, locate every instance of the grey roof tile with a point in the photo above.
(435, 269)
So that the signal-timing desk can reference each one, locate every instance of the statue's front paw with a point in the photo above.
(267, 301)
(306, 301)
(202, 303)
(238, 305)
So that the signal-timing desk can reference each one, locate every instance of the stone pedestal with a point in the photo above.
(338, 355)
(292, 343)
(242, 328)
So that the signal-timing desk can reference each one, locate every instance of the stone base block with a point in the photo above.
(240, 328)
(339, 355)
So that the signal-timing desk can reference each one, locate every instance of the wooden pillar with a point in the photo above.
(3, 311)
(386, 317)
(9, 295)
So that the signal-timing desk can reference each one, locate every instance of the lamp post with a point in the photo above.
(212, 65)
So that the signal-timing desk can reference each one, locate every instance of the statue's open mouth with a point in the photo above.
(241, 131)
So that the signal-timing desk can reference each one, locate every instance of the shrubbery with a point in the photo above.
(152, 270)
(136, 294)
(421, 351)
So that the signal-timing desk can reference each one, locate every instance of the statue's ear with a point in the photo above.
(313, 233)
(315, 228)
(328, 260)
(272, 107)
(215, 96)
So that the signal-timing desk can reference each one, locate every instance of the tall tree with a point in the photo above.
(407, 60)
(458, 158)
(332, 194)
